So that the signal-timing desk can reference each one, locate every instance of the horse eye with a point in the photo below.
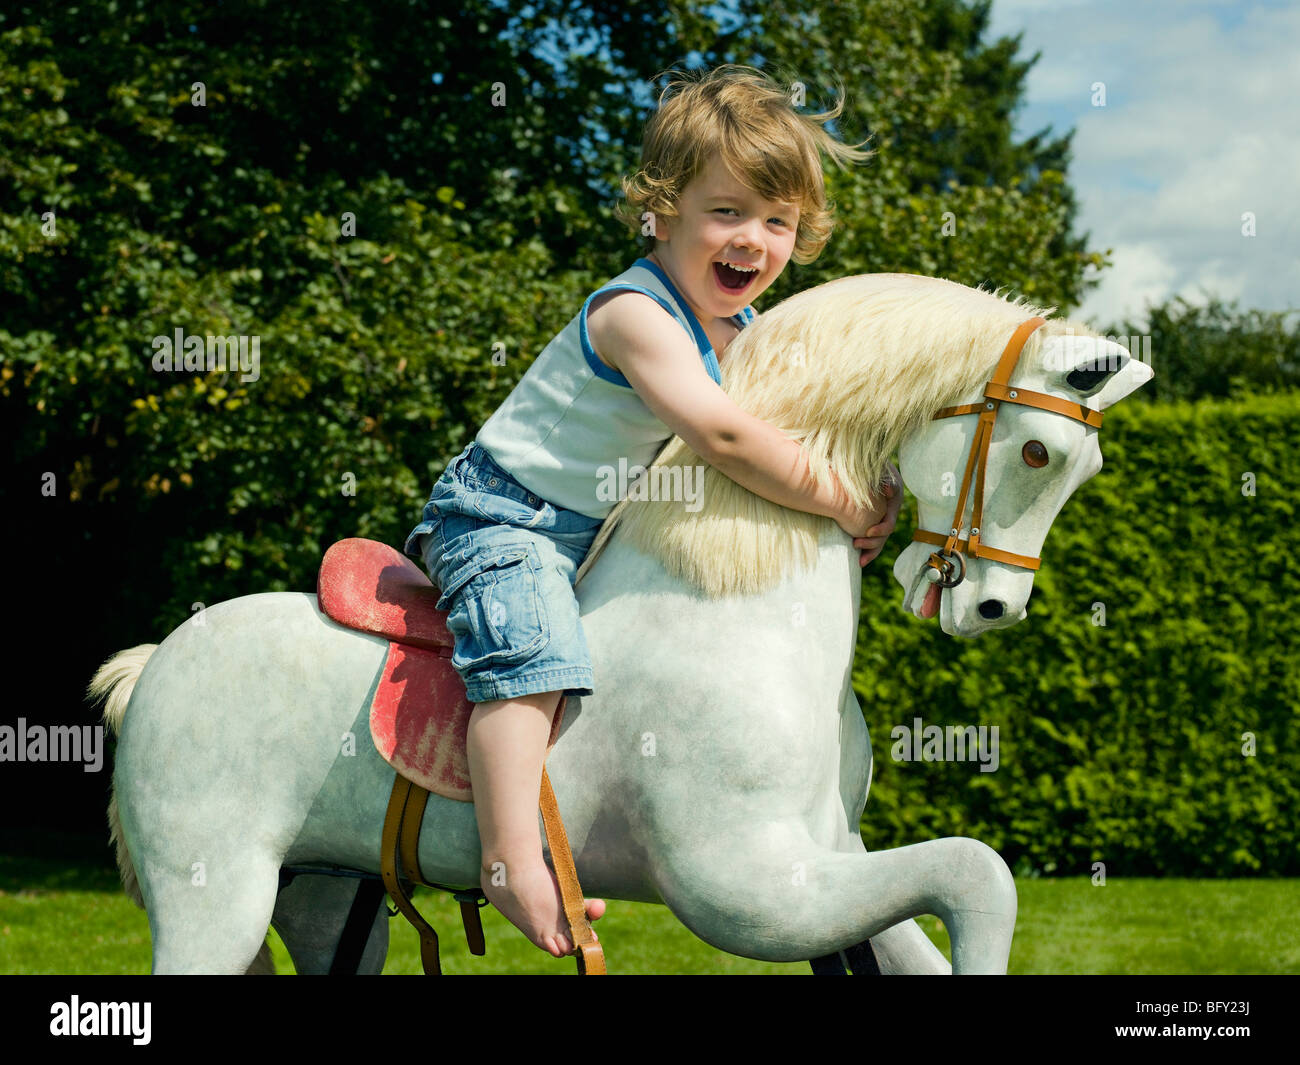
(1034, 454)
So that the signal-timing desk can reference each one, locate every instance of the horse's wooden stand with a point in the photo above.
(368, 586)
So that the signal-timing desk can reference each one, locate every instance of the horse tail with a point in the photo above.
(114, 682)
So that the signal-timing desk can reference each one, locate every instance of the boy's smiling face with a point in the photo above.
(722, 220)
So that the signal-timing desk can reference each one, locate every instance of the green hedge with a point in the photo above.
(1120, 743)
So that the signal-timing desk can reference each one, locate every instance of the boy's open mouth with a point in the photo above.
(731, 279)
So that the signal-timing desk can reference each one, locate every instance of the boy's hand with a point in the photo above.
(880, 523)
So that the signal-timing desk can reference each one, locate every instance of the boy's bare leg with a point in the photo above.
(506, 745)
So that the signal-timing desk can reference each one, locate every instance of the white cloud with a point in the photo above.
(1200, 125)
(1143, 273)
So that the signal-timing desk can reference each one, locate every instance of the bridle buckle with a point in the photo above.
(943, 566)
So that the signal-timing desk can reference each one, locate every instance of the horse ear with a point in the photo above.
(1093, 366)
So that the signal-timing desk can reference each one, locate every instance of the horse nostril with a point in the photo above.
(991, 609)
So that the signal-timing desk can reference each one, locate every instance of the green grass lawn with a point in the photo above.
(70, 917)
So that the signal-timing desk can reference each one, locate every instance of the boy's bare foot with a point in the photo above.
(528, 896)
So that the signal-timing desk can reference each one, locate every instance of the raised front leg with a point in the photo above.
(770, 892)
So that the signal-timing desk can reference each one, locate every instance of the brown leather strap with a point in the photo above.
(1011, 353)
(409, 835)
(590, 954)
(988, 418)
(974, 461)
(399, 853)
(996, 554)
(996, 392)
(390, 856)
(977, 508)
(1027, 398)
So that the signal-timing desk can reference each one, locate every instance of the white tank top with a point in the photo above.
(563, 430)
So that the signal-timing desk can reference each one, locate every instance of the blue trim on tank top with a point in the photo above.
(702, 344)
(607, 373)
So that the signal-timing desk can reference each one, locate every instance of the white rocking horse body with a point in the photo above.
(722, 765)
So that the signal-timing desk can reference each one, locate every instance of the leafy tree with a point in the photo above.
(1214, 349)
(344, 187)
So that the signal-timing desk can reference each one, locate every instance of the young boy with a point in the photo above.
(732, 177)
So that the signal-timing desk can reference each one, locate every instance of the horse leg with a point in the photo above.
(795, 899)
(213, 916)
(905, 950)
(310, 915)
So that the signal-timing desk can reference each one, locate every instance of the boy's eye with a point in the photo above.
(774, 218)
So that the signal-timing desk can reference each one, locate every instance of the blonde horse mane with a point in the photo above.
(849, 369)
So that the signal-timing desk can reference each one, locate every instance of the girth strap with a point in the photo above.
(351, 946)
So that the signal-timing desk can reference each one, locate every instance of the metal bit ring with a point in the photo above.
(945, 566)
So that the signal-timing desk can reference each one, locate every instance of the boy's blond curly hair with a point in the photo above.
(748, 118)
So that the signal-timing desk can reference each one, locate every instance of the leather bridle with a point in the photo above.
(949, 564)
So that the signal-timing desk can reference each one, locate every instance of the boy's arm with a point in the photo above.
(664, 367)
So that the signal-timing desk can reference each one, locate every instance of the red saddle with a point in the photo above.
(418, 719)
(419, 713)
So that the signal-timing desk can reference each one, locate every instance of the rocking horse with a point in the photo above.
(722, 766)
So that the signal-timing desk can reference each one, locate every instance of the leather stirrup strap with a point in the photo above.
(590, 954)
(412, 819)
(399, 853)
(389, 859)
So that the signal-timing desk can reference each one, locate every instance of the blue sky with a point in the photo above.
(1201, 125)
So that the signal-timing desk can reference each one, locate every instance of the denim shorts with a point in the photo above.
(505, 560)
